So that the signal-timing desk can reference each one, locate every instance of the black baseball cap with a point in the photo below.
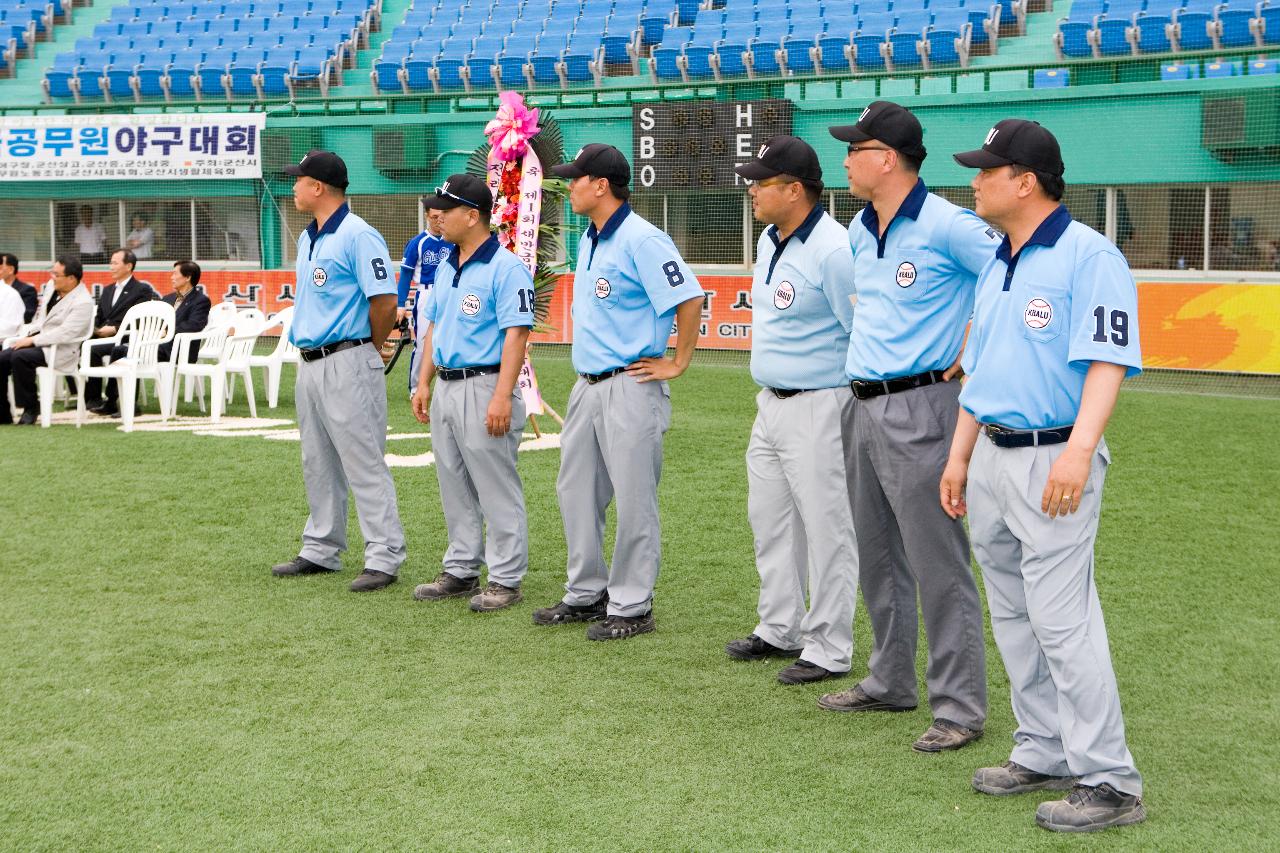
(597, 160)
(885, 121)
(460, 190)
(783, 155)
(325, 166)
(1016, 141)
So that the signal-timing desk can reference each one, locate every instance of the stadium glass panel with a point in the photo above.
(707, 227)
(1244, 231)
(170, 224)
(227, 230)
(67, 216)
(24, 231)
(1160, 227)
(394, 216)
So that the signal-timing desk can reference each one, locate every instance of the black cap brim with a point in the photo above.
(439, 202)
(755, 171)
(981, 159)
(567, 170)
(849, 133)
(293, 170)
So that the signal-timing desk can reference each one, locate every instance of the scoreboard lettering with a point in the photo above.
(689, 146)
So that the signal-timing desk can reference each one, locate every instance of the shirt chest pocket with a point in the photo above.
(1042, 310)
(912, 275)
(603, 287)
(474, 303)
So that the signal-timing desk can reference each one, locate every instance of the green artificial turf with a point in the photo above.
(159, 690)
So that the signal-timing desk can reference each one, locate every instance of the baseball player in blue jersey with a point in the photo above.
(1055, 330)
(629, 285)
(477, 321)
(422, 255)
(916, 258)
(798, 498)
(345, 308)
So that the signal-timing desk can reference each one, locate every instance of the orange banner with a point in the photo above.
(1190, 326)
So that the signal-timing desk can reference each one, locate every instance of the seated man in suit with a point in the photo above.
(191, 308)
(115, 302)
(9, 275)
(64, 317)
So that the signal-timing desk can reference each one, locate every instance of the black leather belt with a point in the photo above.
(1005, 437)
(865, 389)
(329, 349)
(451, 374)
(784, 393)
(593, 378)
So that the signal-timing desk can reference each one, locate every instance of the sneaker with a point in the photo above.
(621, 627)
(370, 580)
(856, 699)
(495, 596)
(943, 735)
(562, 613)
(445, 586)
(754, 648)
(299, 566)
(1087, 809)
(803, 672)
(1013, 778)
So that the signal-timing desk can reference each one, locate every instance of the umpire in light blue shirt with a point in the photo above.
(798, 499)
(629, 285)
(916, 258)
(478, 316)
(1055, 330)
(346, 307)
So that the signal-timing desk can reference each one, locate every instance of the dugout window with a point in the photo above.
(226, 229)
(98, 224)
(1160, 227)
(26, 230)
(395, 217)
(1244, 227)
(162, 228)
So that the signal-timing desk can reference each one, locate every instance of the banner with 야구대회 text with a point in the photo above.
(183, 146)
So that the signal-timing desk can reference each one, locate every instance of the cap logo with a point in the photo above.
(471, 305)
(991, 134)
(602, 288)
(785, 296)
(906, 275)
(864, 115)
(304, 159)
(446, 186)
(579, 154)
(319, 276)
(760, 154)
(1037, 314)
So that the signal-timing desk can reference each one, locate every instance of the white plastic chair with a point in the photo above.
(273, 363)
(147, 325)
(50, 380)
(232, 360)
(211, 338)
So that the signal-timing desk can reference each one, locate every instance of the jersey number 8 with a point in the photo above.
(675, 278)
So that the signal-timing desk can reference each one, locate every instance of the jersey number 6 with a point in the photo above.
(379, 269)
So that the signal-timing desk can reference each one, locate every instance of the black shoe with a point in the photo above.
(621, 627)
(562, 613)
(754, 648)
(1087, 809)
(370, 580)
(944, 735)
(299, 566)
(445, 586)
(95, 406)
(27, 419)
(856, 699)
(803, 672)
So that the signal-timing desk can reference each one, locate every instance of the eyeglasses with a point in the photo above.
(775, 181)
(854, 149)
(441, 191)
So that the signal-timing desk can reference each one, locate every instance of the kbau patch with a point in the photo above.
(1037, 314)
(470, 305)
(906, 275)
(784, 296)
(602, 288)
(319, 276)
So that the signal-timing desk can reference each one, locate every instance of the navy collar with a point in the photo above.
(482, 255)
(910, 208)
(330, 226)
(612, 225)
(1046, 234)
(802, 232)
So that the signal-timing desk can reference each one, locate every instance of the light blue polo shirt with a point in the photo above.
(1066, 300)
(801, 310)
(626, 287)
(339, 267)
(915, 286)
(474, 305)
(422, 255)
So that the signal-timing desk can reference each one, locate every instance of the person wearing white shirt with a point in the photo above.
(11, 310)
(140, 238)
(91, 237)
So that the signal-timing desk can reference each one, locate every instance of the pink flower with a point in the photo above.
(510, 131)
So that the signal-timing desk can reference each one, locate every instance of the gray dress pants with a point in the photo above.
(342, 418)
(906, 543)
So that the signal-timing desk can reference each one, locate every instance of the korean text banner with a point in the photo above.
(126, 147)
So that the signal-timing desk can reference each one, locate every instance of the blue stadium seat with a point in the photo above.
(868, 51)
(577, 67)
(697, 62)
(1074, 39)
(741, 31)
(1150, 33)
(807, 21)
(1111, 35)
(666, 63)
(543, 70)
(117, 84)
(762, 56)
(729, 60)
(834, 52)
(447, 76)
(1214, 70)
(386, 75)
(1234, 28)
(209, 74)
(1268, 24)
(240, 76)
(1051, 78)
(945, 46)
(480, 72)
(1191, 30)
(1264, 66)
(177, 77)
(1178, 71)
(797, 54)
(418, 74)
(511, 67)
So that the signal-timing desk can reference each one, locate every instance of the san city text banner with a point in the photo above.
(183, 146)
(1190, 326)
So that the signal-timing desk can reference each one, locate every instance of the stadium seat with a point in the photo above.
(1178, 71)
(1216, 70)
(729, 60)
(869, 51)
(1264, 66)
(697, 63)
(1112, 35)
(417, 75)
(835, 53)
(1234, 28)
(797, 55)
(1191, 30)
(905, 50)
(948, 47)
(1051, 78)
(178, 80)
(386, 75)
(666, 64)
(762, 57)
(1150, 33)
(447, 75)
(1267, 25)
